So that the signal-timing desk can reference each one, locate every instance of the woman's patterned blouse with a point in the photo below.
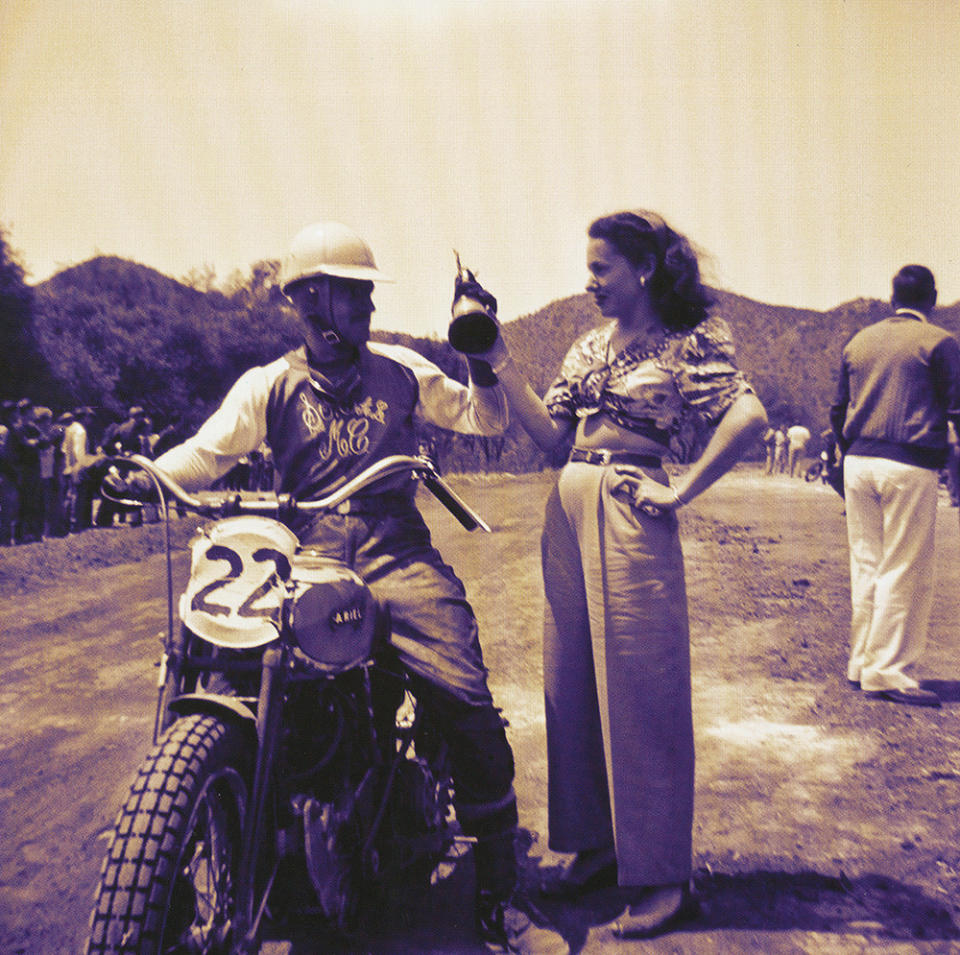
(669, 392)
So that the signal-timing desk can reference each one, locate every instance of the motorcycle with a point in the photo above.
(828, 468)
(817, 471)
(287, 752)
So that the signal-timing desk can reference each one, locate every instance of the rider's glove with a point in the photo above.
(134, 485)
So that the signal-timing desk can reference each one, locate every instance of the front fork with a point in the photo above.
(269, 714)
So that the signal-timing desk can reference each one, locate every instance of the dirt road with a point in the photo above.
(824, 822)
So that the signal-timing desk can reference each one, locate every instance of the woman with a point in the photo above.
(645, 384)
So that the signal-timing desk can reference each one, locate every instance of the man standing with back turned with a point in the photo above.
(899, 385)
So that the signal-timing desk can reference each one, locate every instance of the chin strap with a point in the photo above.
(324, 323)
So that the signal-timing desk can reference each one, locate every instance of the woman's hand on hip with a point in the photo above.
(642, 492)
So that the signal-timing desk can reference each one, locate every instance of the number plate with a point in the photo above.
(238, 574)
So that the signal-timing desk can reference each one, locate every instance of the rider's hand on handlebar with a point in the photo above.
(135, 485)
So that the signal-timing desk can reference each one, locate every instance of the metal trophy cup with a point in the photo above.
(474, 326)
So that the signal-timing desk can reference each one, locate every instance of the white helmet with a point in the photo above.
(328, 248)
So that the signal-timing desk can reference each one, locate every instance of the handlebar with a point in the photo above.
(226, 503)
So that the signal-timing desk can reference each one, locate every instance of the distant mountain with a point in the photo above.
(118, 282)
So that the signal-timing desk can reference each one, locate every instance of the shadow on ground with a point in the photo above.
(760, 901)
(947, 690)
(767, 901)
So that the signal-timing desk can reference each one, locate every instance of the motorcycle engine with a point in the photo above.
(331, 842)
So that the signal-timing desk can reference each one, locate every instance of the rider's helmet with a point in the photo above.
(328, 248)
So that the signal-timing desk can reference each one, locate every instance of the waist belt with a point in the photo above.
(605, 456)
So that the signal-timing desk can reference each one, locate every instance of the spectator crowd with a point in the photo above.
(52, 467)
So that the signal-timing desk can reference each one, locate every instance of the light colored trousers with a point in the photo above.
(617, 680)
(891, 518)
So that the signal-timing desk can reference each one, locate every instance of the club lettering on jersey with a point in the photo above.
(346, 430)
(368, 410)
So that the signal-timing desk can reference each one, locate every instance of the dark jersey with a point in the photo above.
(319, 441)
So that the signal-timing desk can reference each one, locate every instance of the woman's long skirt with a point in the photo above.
(617, 679)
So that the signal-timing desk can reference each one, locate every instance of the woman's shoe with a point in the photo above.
(590, 869)
(660, 909)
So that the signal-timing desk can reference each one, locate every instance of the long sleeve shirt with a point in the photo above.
(320, 439)
(899, 385)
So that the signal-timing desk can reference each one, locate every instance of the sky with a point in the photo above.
(808, 148)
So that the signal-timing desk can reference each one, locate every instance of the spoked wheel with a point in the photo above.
(168, 882)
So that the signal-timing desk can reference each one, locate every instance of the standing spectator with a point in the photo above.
(779, 450)
(20, 457)
(80, 469)
(616, 636)
(9, 493)
(256, 470)
(46, 448)
(131, 436)
(58, 512)
(268, 472)
(798, 437)
(768, 442)
(28, 446)
(899, 386)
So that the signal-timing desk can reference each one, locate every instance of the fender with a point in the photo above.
(215, 704)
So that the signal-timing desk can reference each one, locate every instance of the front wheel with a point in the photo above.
(168, 882)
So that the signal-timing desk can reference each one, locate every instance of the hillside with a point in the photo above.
(116, 333)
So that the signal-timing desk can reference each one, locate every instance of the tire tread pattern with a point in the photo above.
(131, 898)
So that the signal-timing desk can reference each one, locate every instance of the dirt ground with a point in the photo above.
(825, 822)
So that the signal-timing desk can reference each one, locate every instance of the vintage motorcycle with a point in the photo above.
(292, 771)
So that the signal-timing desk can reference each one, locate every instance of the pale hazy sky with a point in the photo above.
(810, 147)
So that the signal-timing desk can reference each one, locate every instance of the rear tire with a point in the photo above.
(168, 882)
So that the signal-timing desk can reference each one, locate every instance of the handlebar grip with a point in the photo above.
(458, 508)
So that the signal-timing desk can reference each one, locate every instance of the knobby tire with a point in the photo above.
(168, 880)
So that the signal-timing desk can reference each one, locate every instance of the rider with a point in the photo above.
(327, 411)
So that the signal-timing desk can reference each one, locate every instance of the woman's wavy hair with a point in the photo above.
(674, 286)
